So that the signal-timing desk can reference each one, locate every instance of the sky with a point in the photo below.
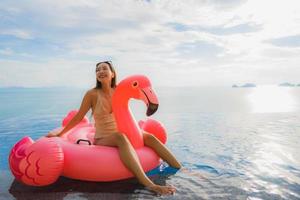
(173, 42)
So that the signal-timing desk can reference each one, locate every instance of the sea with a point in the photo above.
(233, 143)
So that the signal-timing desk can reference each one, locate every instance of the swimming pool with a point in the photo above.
(228, 148)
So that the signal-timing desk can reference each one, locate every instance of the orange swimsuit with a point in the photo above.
(105, 122)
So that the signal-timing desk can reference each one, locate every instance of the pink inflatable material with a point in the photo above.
(41, 162)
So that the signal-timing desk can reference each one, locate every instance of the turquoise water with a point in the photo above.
(235, 143)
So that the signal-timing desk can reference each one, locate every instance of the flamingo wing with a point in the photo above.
(155, 128)
(37, 163)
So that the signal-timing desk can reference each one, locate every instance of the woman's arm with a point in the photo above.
(86, 104)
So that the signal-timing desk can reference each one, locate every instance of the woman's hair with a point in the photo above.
(113, 80)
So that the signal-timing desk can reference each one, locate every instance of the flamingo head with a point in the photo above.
(138, 87)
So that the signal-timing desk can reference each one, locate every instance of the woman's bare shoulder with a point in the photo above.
(91, 93)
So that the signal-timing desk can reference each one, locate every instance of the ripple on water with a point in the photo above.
(226, 156)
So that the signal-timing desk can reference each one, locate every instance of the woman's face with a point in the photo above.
(103, 73)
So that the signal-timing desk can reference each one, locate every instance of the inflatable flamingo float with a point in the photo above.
(41, 162)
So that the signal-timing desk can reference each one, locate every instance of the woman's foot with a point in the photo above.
(162, 190)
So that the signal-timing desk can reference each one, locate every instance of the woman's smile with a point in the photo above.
(101, 76)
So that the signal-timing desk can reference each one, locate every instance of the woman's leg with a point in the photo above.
(131, 161)
(163, 152)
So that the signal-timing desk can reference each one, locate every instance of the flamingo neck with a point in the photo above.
(126, 122)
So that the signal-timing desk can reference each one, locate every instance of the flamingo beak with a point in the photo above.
(150, 99)
(152, 108)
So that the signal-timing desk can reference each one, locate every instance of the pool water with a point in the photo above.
(232, 143)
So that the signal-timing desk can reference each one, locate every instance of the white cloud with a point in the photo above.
(174, 42)
(22, 34)
(6, 51)
(51, 73)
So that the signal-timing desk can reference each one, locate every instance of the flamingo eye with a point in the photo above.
(135, 84)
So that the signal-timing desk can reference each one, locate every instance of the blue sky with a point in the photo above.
(175, 43)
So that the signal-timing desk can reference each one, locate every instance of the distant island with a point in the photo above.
(41, 87)
(250, 85)
(12, 87)
(246, 85)
(287, 84)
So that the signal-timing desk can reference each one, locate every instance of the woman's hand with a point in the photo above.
(53, 133)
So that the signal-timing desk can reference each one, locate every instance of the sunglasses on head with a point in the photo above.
(107, 62)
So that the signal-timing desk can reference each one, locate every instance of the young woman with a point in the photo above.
(99, 100)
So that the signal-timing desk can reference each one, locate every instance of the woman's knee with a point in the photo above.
(149, 138)
(121, 138)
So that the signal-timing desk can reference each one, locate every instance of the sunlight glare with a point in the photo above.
(269, 99)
